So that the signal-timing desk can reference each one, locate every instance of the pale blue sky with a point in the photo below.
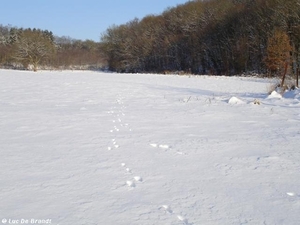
(80, 19)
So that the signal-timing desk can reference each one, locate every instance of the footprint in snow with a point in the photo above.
(138, 178)
(123, 164)
(154, 145)
(109, 148)
(292, 194)
(180, 153)
(164, 146)
(160, 146)
(130, 183)
(166, 208)
(182, 219)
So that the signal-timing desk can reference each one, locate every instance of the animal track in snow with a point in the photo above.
(154, 145)
(292, 194)
(167, 208)
(109, 148)
(160, 146)
(130, 183)
(180, 153)
(114, 144)
(138, 178)
(181, 218)
(164, 146)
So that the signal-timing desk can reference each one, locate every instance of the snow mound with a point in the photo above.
(236, 101)
(274, 94)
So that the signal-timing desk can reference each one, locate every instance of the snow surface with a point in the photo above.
(132, 149)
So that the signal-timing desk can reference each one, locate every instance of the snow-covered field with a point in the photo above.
(123, 149)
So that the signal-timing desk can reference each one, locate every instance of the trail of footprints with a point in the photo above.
(135, 180)
(117, 121)
(181, 218)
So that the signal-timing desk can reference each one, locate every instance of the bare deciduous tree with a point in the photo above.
(32, 47)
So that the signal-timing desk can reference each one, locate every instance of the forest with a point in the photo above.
(210, 37)
(215, 37)
(40, 49)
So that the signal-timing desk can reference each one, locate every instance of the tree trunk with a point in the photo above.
(35, 65)
(297, 77)
(284, 74)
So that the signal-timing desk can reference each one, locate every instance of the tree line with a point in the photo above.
(209, 37)
(199, 37)
(36, 48)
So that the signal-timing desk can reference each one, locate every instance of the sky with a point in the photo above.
(79, 19)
